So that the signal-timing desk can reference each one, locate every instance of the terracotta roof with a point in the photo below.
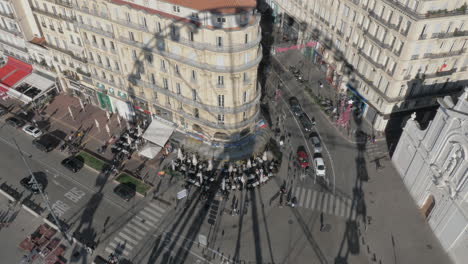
(226, 6)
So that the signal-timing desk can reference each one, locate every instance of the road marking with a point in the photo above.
(343, 208)
(152, 218)
(157, 207)
(332, 203)
(145, 221)
(131, 233)
(303, 195)
(128, 238)
(58, 184)
(314, 200)
(123, 243)
(337, 206)
(135, 228)
(110, 250)
(298, 191)
(348, 207)
(139, 223)
(153, 212)
(309, 193)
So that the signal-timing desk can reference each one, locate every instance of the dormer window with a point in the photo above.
(221, 19)
(176, 9)
(194, 16)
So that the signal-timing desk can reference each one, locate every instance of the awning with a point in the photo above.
(356, 92)
(158, 132)
(150, 150)
(14, 71)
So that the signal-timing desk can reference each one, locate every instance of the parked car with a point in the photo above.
(73, 163)
(29, 185)
(319, 167)
(125, 191)
(306, 123)
(46, 142)
(315, 140)
(302, 157)
(295, 106)
(32, 131)
(15, 122)
(3, 110)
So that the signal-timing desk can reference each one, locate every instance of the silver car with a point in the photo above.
(316, 143)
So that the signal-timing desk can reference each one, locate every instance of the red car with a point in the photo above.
(302, 158)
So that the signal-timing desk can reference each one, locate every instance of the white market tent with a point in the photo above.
(150, 150)
(158, 132)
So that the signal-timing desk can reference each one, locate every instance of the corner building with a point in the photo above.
(193, 63)
(394, 56)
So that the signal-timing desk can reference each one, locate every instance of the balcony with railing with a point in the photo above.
(197, 103)
(221, 125)
(54, 15)
(450, 34)
(64, 3)
(112, 83)
(443, 55)
(440, 73)
(376, 40)
(194, 63)
(216, 48)
(96, 30)
(15, 46)
(68, 52)
(131, 24)
(369, 59)
(430, 14)
(93, 12)
(11, 30)
(5, 14)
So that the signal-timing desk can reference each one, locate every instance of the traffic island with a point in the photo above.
(141, 187)
(92, 161)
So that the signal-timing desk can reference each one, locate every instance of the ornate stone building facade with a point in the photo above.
(395, 56)
(434, 167)
(193, 63)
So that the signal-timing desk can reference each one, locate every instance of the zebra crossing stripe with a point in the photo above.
(155, 206)
(309, 193)
(128, 238)
(150, 217)
(110, 250)
(145, 221)
(343, 208)
(303, 196)
(153, 212)
(131, 233)
(123, 242)
(331, 204)
(322, 201)
(138, 223)
(135, 228)
(336, 210)
(314, 200)
(298, 191)
(348, 207)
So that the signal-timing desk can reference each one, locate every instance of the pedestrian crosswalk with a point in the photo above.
(135, 230)
(324, 202)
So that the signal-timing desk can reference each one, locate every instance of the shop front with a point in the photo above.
(359, 102)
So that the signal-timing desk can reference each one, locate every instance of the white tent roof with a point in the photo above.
(158, 132)
(150, 150)
(37, 81)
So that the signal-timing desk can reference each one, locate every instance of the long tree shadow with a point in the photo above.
(350, 241)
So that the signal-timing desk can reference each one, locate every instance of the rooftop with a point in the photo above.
(221, 6)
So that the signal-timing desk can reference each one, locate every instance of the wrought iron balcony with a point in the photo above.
(450, 34)
(5, 14)
(68, 52)
(196, 103)
(64, 3)
(443, 55)
(216, 48)
(440, 74)
(55, 15)
(223, 125)
(99, 31)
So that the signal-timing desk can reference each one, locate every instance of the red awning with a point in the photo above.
(14, 71)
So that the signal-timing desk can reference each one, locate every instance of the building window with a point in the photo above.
(176, 69)
(176, 9)
(196, 113)
(221, 20)
(194, 16)
(246, 38)
(194, 75)
(178, 88)
(165, 83)
(99, 59)
(134, 54)
(91, 57)
(131, 36)
(244, 97)
(219, 41)
(153, 79)
(163, 65)
(246, 77)
(194, 94)
(117, 67)
(221, 80)
(112, 45)
(244, 116)
(221, 100)
(159, 27)
(221, 119)
(191, 35)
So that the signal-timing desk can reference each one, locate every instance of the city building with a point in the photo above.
(192, 63)
(23, 59)
(434, 167)
(394, 56)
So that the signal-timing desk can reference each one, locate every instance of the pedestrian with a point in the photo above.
(321, 222)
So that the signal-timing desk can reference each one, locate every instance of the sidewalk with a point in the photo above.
(294, 58)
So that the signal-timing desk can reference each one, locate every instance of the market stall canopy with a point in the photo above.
(150, 150)
(158, 132)
(12, 72)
